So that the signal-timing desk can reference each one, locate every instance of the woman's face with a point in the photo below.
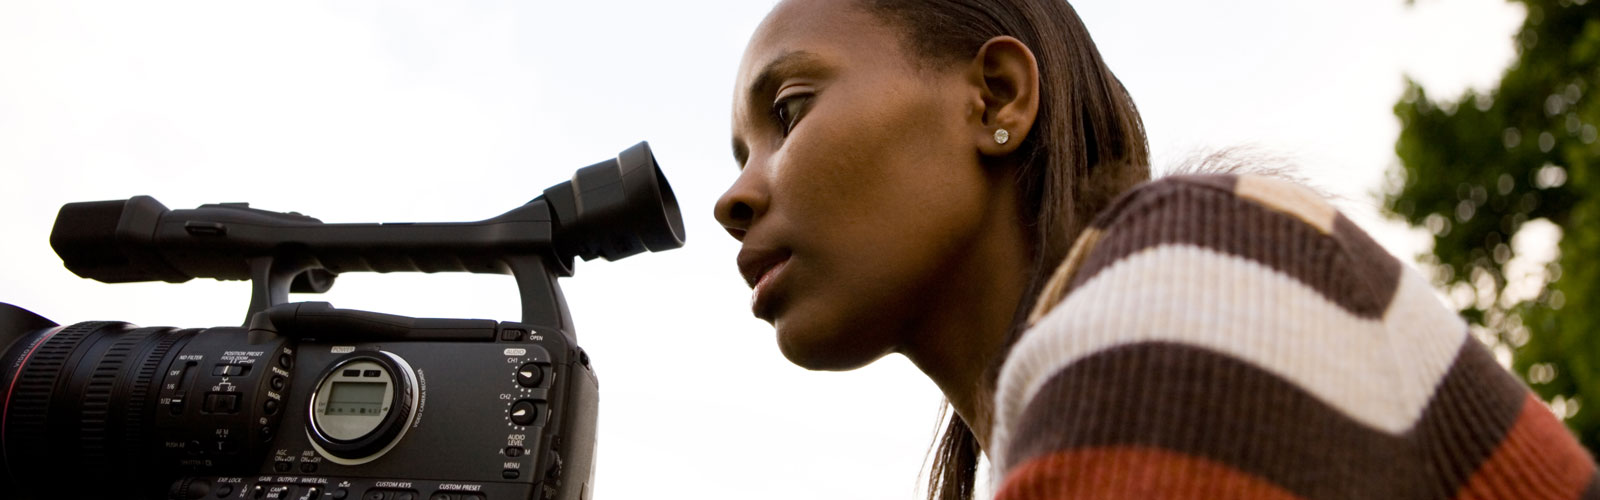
(860, 194)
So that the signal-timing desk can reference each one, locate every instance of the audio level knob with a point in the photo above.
(530, 375)
(524, 412)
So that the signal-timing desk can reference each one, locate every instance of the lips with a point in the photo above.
(755, 263)
(760, 268)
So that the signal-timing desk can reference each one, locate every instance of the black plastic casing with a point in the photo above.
(612, 209)
(461, 442)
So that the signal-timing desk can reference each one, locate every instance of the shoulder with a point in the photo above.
(1242, 326)
(1244, 217)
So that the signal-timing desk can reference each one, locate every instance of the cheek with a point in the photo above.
(888, 177)
(880, 198)
(884, 154)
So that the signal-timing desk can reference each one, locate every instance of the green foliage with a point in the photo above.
(1479, 167)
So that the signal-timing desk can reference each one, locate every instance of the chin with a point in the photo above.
(814, 347)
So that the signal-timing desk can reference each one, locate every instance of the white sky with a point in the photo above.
(360, 112)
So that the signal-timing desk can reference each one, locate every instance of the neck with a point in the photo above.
(964, 334)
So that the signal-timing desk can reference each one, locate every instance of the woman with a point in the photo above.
(937, 179)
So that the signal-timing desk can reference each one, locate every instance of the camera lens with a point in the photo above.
(80, 400)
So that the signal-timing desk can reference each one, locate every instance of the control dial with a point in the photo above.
(530, 375)
(524, 413)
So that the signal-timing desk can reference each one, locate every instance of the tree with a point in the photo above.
(1478, 168)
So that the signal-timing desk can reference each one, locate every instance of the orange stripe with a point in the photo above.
(1139, 472)
(1538, 459)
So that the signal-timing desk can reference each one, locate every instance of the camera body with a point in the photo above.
(501, 409)
(306, 401)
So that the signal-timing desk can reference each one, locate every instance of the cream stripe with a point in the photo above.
(1290, 198)
(1381, 377)
(1427, 334)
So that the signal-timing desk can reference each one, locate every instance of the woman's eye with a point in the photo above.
(788, 110)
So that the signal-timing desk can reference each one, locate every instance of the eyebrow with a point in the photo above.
(790, 62)
(794, 61)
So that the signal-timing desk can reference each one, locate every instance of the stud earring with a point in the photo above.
(1002, 136)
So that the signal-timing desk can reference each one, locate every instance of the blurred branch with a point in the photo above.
(1477, 169)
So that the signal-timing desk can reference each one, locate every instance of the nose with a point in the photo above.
(743, 202)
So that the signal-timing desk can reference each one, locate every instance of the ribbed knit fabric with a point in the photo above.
(1236, 337)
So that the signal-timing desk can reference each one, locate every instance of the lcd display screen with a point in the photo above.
(356, 398)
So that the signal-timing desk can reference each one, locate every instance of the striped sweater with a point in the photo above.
(1236, 337)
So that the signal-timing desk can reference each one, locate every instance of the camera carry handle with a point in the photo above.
(612, 209)
(270, 283)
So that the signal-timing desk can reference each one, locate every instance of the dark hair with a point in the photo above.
(1087, 146)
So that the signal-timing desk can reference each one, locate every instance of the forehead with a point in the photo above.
(840, 32)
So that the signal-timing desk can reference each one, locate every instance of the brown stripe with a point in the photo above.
(1381, 271)
(1207, 404)
(1473, 408)
(1538, 459)
(1347, 267)
(1221, 182)
(1132, 472)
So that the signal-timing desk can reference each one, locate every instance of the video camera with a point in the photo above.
(307, 401)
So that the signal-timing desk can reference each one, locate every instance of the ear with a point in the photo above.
(1006, 76)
